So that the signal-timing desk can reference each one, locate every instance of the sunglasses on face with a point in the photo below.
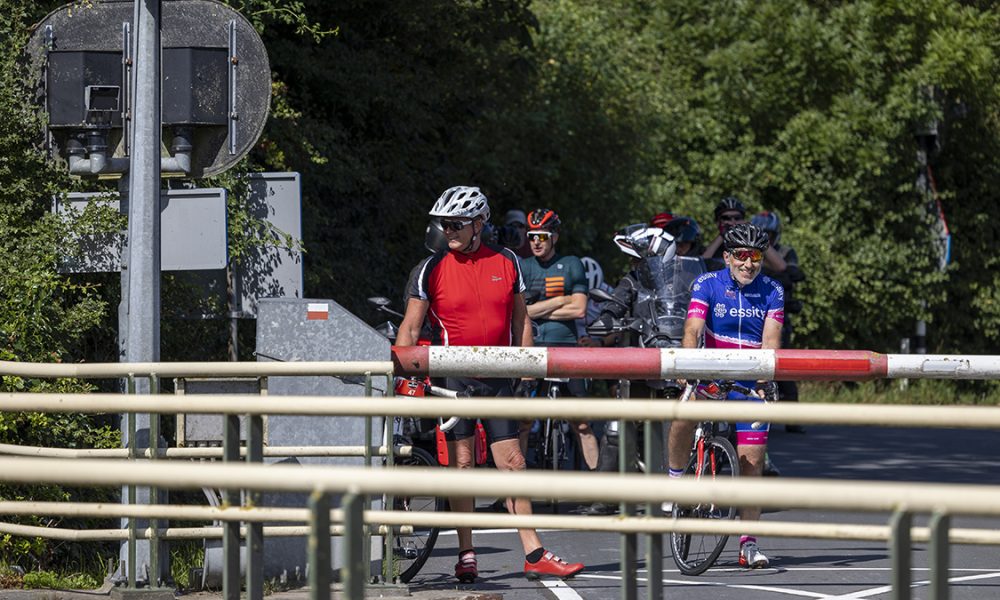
(730, 218)
(539, 237)
(742, 254)
(454, 225)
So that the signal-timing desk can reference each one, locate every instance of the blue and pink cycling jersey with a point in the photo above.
(734, 318)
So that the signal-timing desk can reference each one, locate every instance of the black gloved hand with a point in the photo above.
(525, 388)
(770, 389)
(602, 325)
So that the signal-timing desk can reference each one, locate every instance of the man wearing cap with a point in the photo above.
(516, 223)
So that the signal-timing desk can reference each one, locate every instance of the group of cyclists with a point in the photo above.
(509, 286)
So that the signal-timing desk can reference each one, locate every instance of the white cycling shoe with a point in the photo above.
(751, 557)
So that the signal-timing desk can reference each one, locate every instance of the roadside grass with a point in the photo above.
(915, 391)
(15, 578)
(185, 557)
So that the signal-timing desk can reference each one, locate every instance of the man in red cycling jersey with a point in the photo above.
(473, 294)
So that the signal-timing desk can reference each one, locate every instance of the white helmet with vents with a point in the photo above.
(593, 272)
(641, 241)
(462, 202)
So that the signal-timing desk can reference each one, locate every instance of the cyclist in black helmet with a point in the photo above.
(728, 212)
(687, 235)
(735, 307)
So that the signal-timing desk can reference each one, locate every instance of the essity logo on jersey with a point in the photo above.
(751, 311)
(720, 310)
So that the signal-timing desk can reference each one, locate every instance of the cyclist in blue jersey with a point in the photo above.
(735, 307)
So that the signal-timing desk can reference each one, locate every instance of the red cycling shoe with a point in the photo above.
(466, 569)
(550, 564)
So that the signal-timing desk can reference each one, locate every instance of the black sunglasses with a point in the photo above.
(454, 225)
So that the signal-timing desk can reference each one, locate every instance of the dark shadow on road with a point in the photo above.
(888, 454)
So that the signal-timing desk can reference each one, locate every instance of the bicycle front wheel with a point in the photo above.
(695, 553)
(411, 551)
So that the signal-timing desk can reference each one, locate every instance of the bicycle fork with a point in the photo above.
(704, 454)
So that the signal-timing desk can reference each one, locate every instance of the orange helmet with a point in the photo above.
(544, 219)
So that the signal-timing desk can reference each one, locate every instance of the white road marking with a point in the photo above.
(560, 589)
(858, 595)
(762, 588)
(886, 589)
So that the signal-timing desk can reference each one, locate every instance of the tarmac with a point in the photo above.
(112, 593)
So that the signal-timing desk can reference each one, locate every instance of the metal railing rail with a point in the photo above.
(193, 369)
(197, 452)
(640, 363)
(901, 499)
(402, 520)
(970, 417)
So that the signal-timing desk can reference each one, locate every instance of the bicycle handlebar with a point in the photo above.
(449, 424)
(770, 394)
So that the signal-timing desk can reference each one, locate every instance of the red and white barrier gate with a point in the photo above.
(671, 363)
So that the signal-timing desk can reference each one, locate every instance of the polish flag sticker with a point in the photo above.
(317, 311)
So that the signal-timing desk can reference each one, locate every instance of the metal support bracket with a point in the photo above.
(234, 60)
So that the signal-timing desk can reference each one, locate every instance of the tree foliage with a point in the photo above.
(610, 112)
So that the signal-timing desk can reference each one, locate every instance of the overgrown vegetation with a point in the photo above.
(919, 391)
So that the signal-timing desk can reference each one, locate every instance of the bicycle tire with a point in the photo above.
(411, 551)
(695, 553)
(556, 436)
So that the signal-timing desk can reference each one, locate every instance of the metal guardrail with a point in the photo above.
(231, 450)
(900, 499)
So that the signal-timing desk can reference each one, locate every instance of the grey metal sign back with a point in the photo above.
(271, 271)
(193, 225)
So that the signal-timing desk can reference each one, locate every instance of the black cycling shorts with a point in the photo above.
(496, 429)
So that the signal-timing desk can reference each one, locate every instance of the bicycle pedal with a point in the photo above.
(466, 578)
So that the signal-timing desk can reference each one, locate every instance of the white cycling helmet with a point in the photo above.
(641, 240)
(462, 202)
(592, 270)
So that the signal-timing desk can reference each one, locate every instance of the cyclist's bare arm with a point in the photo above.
(771, 337)
(770, 340)
(560, 308)
(693, 328)
(712, 247)
(774, 261)
(520, 323)
(413, 320)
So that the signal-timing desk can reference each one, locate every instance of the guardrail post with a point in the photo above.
(230, 497)
(388, 540)
(654, 445)
(255, 529)
(899, 553)
(132, 537)
(320, 557)
(629, 541)
(367, 500)
(154, 492)
(353, 573)
(940, 555)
